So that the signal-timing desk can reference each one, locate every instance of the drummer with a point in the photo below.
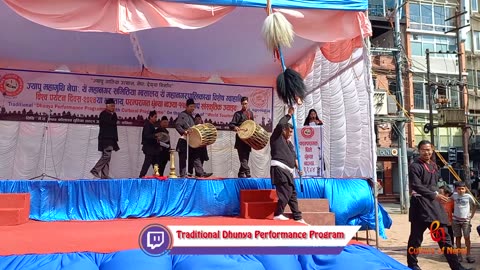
(150, 147)
(243, 149)
(164, 157)
(183, 123)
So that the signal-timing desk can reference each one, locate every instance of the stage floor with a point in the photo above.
(36, 237)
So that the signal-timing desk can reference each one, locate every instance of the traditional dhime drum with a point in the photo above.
(202, 135)
(253, 134)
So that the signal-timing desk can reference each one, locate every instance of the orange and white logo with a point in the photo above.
(11, 85)
(308, 132)
(259, 99)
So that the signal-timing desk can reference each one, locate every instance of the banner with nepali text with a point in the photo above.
(79, 98)
(310, 140)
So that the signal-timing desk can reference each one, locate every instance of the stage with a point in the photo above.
(94, 224)
(350, 199)
(113, 245)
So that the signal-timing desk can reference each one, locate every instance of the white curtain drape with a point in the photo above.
(339, 92)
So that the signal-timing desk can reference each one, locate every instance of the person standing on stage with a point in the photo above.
(312, 119)
(163, 135)
(107, 140)
(425, 208)
(283, 167)
(183, 123)
(150, 147)
(243, 149)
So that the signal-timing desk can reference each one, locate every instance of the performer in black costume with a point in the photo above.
(283, 167)
(151, 148)
(425, 207)
(163, 133)
(243, 149)
(185, 121)
(107, 140)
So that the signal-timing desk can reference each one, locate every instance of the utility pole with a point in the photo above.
(430, 99)
(462, 89)
(402, 140)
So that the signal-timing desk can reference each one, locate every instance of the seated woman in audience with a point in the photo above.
(312, 119)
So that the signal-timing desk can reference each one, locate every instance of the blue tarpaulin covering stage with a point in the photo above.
(358, 257)
(350, 199)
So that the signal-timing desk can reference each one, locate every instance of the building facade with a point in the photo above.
(472, 54)
(382, 18)
(425, 25)
(427, 28)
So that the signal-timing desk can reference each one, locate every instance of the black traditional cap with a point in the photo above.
(190, 101)
(198, 116)
(152, 113)
(164, 118)
(109, 101)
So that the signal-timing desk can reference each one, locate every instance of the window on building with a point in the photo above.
(475, 5)
(470, 78)
(453, 93)
(415, 16)
(445, 89)
(419, 96)
(376, 8)
(468, 42)
(435, 43)
(379, 8)
(476, 40)
(430, 17)
(477, 77)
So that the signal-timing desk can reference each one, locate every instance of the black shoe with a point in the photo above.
(248, 176)
(94, 173)
(416, 267)
(241, 176)
(470, 259)
(205, 175)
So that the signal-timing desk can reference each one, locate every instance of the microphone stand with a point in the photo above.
(45, 142)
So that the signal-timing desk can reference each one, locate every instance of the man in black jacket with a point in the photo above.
(283, 167)
(164, 135)
(107, 140)
(243, 149)
(426, 212)
(183, 124)
(151, 148)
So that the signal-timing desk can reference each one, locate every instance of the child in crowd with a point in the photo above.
(463, 211)
(448, 206)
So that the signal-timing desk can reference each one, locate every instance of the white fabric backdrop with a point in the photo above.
(339, 92)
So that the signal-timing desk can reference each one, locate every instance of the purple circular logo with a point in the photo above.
(155, 240)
